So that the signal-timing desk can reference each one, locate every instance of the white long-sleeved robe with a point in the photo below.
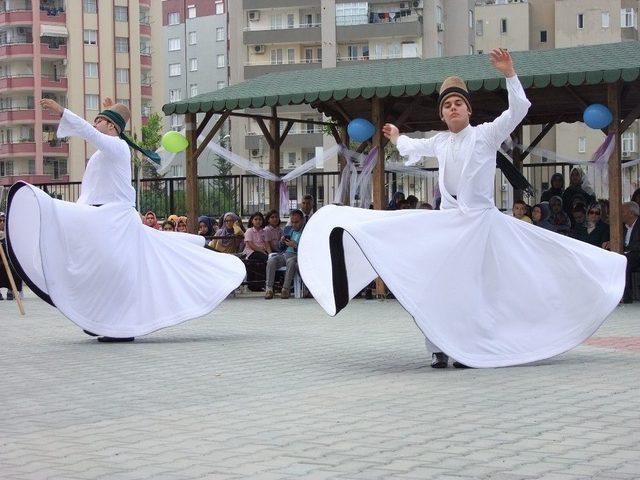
(100, 266)
(488, 289)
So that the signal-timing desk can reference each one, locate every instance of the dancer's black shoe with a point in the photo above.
(115, 339)
(439, 360)
(91, 334)
(460, 365)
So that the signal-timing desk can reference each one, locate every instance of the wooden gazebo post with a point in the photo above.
(191, 184)
(615, 170)
(274, 160)
(379, 192)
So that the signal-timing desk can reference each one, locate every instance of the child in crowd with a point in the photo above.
(520, 211)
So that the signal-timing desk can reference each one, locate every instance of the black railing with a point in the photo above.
(245, 194)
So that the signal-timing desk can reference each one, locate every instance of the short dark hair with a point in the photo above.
(272, 212)
(254, 215)
(309, 197)
(520, 202)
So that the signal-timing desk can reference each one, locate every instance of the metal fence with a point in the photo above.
(246, 194)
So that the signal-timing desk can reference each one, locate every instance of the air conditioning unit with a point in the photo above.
(417, 4)
(440, 27)
(256, 152)
(259, 49)
(254, 15)
(404, 5)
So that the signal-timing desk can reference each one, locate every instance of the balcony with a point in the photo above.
(25, 82)
(49, 82)
(146, 90)
(145, 2)
(16, 50)
(145, 29)
(255, 69)
(26, 115)
(53, 50)
(259, 4)
(28, 149)
(18, 17)
(302, 33)
(145, 60)
(53, 15)
(410, 27)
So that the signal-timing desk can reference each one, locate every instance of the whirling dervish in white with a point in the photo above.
(95, 260)
(460, 272)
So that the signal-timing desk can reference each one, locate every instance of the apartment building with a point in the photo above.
(282, 35)
(77, 56)
(195, 45)
(543, 24)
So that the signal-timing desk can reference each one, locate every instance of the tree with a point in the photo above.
(154, 196)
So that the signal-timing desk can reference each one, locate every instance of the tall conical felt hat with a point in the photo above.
(453, 86)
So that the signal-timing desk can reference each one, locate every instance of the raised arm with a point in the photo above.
(72, 125)
(500, 129)
(414, 148)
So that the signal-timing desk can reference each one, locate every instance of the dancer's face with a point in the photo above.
(455, 113)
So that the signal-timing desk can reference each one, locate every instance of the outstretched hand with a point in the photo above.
(107, 103)
(391, 132)
(502, 61)
(49, 104)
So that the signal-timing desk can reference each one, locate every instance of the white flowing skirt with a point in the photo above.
(488, 289)
(109, 273)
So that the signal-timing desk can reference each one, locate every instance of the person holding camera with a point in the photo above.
(287, 257)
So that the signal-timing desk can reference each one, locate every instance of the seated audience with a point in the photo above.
(150, 220)
(307, 206)
(426, 206)
(206, 226)
(393, 204)
(630, 212)
(412, 201)
(256, 249)
(540, 216)
(576, 187)
(594, 231)
(556, 189)
(520, 211)
(181, 225)
(228, 237)
(578, 220)
(273, 231)
(288, 256)
(168, 226)
(558, 218)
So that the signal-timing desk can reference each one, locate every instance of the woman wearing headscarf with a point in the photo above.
(395, 200)
(595, 232)
(205, 226)
(577, 187)
(558, 218)
(150, 220)
(229, 236)
(557, 187)
(181, 225)
(540, 216)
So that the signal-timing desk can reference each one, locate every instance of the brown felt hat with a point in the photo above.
(122, 112)
(453, 86)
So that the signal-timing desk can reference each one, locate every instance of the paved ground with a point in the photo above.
(277, 390)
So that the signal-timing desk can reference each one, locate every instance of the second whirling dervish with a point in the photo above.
(461, 271)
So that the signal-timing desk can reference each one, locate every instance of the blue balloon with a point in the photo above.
(360, 129)
(597, 116)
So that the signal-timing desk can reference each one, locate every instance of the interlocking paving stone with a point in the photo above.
(279, 390)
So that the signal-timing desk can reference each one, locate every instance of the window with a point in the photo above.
(276, 56)
(628, 142)
(92, 102)
(605, 19)
(471, 19)
(90, 37)
(471, 50)
(292, 158)
(193, 64)
(191, 11)
(221, 84)
(122, 75)
(277, 21)
(174, 44)
(193, 39)
(479, 28)
(220, 34)
(543, 36)
(440, 51)
(175, 70)
(122, 44)
(319, 55)
(291, 55)
(219, 7)
(291, 21)
(352, 13)
(582, 144)
(627, 17)
(308, 55)
(123, 101)
(438, 14)
(193, 89)
(90, 6)
(580, 21)
(90, 70)
(175, 95)
(503, 26)
(220, 61)
(176, 122)
(121, 14)
(145, 47)
(173, 18)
